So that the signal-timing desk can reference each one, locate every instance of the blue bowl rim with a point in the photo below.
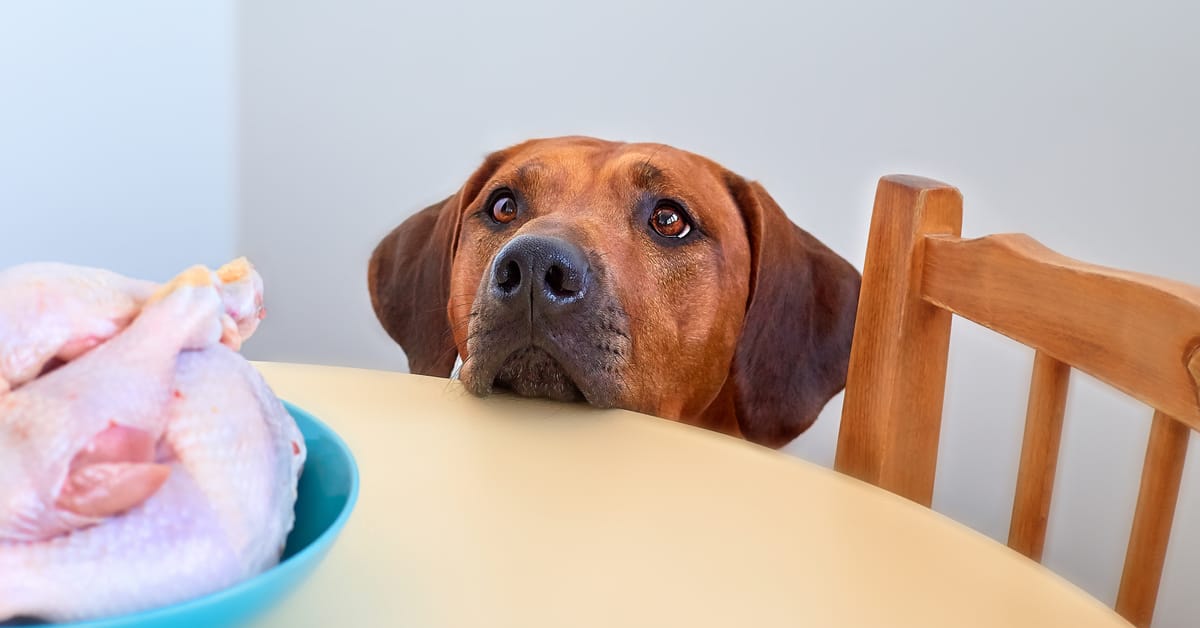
(289, 563)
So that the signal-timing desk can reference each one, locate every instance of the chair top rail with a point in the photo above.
(1135, 332)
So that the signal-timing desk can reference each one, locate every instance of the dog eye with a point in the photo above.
(504, 208)
(669, 221)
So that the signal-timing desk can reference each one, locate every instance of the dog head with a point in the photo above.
(636, 276)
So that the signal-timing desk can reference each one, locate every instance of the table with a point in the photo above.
(504, 512)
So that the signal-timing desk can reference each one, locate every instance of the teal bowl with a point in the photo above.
(327, 492)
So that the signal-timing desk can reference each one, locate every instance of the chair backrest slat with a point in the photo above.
(1134, 332)
(1159, 492)
(1039, 455)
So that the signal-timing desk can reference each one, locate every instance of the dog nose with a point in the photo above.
(547, 269)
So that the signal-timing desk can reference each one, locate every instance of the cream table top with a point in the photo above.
(513, 512)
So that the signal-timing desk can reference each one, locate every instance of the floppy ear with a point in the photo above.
(795, 344)
(409, 281)
(409, 277)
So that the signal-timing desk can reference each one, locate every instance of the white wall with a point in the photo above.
(117, 134)
(1076, 123)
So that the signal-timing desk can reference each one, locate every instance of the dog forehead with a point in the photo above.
(581, 164)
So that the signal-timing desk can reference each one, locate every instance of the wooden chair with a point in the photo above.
(1137, 333)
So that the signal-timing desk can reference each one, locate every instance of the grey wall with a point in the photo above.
(117, 134)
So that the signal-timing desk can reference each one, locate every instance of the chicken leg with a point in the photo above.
(78, 444)
(56, 312)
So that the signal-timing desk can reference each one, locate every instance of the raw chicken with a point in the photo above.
(230, 433)
(54, 311)
(157, 466)
(221, 517)
(78, 444)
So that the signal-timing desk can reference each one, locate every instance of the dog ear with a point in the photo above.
(409, 277)
(794, 349)
(409, 281)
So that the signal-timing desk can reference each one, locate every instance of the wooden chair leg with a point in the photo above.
(891, 417)
(1159, 492)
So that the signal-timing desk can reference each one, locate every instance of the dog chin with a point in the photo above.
(533, 372)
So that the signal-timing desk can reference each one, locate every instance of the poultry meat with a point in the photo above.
(143, 461)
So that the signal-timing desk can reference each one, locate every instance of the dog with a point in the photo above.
(637, 276)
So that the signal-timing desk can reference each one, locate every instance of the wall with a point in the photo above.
(117, 134)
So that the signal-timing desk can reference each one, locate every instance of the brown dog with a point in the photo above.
(636, 276)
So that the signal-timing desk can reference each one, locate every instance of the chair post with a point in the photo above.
(891, 417)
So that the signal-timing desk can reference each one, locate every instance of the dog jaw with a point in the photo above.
(577, 359)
